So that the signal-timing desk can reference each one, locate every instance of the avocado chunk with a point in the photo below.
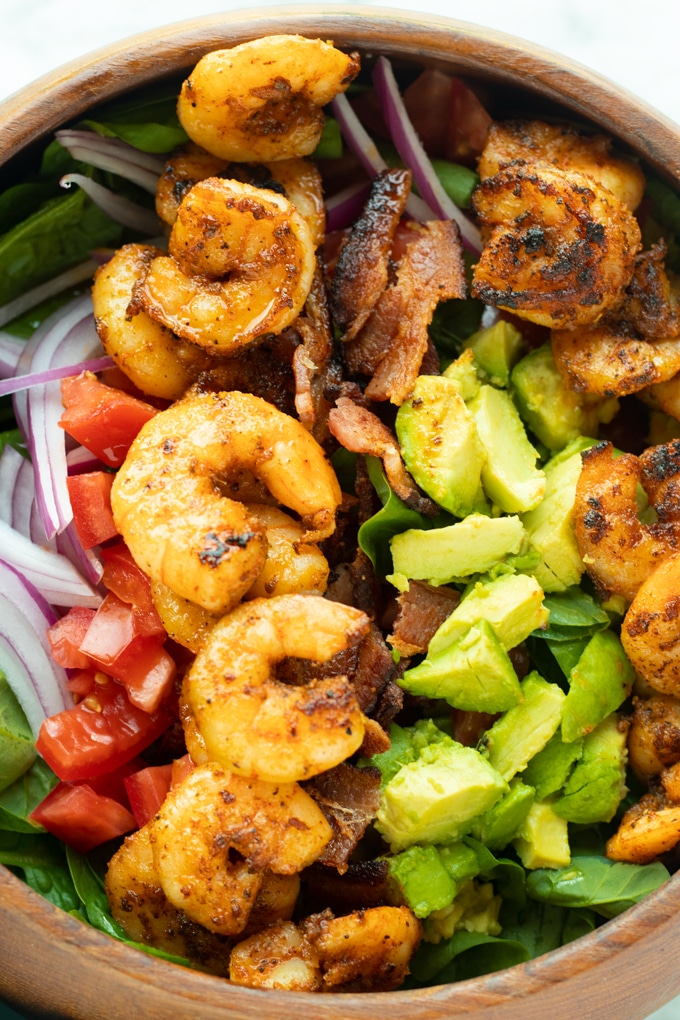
(550, 525)
(549, 770)
(435, 798)
(472, 546)
(17, 752)
(418, 878)
(406, 744)
(500, 823)
(440, 446)
(599, 683)
(517, 736)
(595, 788)
(496, 350)
(509, 473)
(463, 374)
(461, 862)
(554, 412)
(512, 604)
(543, 841)
(474, 673)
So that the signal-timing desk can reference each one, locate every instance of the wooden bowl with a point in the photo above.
(54, 965)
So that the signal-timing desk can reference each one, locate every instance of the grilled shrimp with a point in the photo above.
(270, 827)
(157, 362)
(262, 100)
(256, 725)
(650, 632)
(166, 501)
(241, 263)
(648, 829)
(560, 249)
(145, 914)
(654, 735)
(298, 179)
(535, 141)
(368, 950)
(618, 549)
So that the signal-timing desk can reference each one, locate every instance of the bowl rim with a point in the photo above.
(38, 108)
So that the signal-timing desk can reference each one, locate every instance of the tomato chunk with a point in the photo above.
(469, 124)
(82, 818)
(103, 419)
(146, 790)
(99, 734)
(125, 579)
(66, 635)
(90, 495)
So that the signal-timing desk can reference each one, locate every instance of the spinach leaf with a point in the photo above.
(665, 204)
(508, 876)
(92, 894)
(54, 883)
(59, 235)
(537, 926)
(330, 143)
(466, 954)
(393, 518)
(578, 922)
(25, 793)
(573, 614)
(41, 859)
(608, 887)
(13, 437)
(149, 137)
(148, 120)
(453, 322)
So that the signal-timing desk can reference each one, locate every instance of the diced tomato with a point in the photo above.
(99, 734)
(90, 495)
(428, 103)
(469, 125)
(82, 818)
(112, 784)
(81, 683)
(146, 790)
(113, 642)
(125, 579)
(65, 637)
(103, 419)
(181, 768)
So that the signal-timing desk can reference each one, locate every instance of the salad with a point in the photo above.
(339, 525)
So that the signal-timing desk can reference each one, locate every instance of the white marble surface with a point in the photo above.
(634, 44)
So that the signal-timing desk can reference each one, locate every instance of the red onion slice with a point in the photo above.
(115, 155)
(344, 207)
(51, 573)
(410, 149)
(120, 209)
(11, 349)
(24, 382)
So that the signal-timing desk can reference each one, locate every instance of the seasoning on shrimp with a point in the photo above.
(180, 530)
(262, 100)
(240, 265)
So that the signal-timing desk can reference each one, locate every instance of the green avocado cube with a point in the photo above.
(543, 840)
(463, 374)
(599, 683)
(461, 862)
(509, 474)
(440, 446)
(550, 526)
(17, 752)
(406, 744)
(436, 798)
(474, 674)
(496, 350)
(512, 604)
(517, 736)
(500, 823)
(472, 546)
(553, 411)
(421, 880)
(549, 770)
(596, 786)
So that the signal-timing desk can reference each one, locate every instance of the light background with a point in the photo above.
(631, 42)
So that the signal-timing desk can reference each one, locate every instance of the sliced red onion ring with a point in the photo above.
(24, 382)
(115, 155)
(79, 460)
(11, 349)
(52, 574)
(410, 149)
(36, 680)
(120, 209)
(70, 278)
(366, 151)
(85, 561)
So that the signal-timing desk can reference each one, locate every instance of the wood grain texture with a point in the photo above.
(52, 965)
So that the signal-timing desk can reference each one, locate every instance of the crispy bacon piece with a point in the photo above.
(422, 610)
(263, 369)
(395, 337)
(361, 271)
(362, 885)
(349, 797)
(359, 430)
(312, 358)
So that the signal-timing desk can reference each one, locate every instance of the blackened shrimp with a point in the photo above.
(167, 503)
(253, 723)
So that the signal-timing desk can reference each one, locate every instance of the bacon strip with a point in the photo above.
(361, 272)
(395, 338)
(349, 797)
(311, 359)
(422, 610)
(359, 430)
